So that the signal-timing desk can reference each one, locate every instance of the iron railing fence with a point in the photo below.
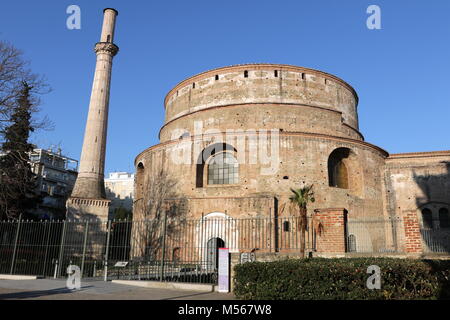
(435, 235)
(174, 271)
(187, 238)
(176, 249)
(374, 235)
(184, 250)
(370, 235)
(28, 247)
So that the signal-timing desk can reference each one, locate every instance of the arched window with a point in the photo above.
(139, 180)
(427, 218)
(337, 168)
(351, 243)
(223, 168)
(206, 156)
(444, 219)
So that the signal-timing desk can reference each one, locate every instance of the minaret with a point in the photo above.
(88, 199)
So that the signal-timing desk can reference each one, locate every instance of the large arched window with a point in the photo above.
(338, 175)
(427, 218)
(223, 168)
(444, 218)
(206, 156)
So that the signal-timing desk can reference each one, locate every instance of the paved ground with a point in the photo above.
(50, 289)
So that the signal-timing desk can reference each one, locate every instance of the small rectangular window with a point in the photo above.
(427, 218)
(444, 218)
(217, 77)
(245, 74)
(275, 73)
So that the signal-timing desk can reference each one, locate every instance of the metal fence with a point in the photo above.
(184, 250)
(435, 236)
(374, 235)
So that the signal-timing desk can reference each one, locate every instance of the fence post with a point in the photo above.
(108, 237)
(393, 223)
(311, 230)
(15, 245)
(163, 253)
(270, 230)
(203, 262)
(276, 233)
(56, 269)
(61, 249)
(86, 228)
(46, 246)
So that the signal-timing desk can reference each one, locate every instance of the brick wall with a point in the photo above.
(331, 238)
(413, 239)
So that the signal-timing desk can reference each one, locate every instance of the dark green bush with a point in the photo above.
(344, 278)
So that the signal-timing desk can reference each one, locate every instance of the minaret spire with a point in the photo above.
(88, 195)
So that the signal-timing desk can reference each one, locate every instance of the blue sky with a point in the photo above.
(400, 72)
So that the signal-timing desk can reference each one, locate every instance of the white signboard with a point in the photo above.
(121, 264)
(248, 257)
(224, 270)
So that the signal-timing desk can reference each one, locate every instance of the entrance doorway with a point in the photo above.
(212, 253)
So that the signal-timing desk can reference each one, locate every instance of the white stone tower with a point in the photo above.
(88, 199)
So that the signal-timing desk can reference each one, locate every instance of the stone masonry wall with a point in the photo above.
(310, 114)
(290, 85)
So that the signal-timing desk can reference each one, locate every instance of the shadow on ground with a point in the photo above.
(38, 293)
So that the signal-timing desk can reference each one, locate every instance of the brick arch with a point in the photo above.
(344, 170)
(338, 168)
(217, 225)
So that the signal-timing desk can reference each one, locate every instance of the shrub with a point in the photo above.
(343, 279)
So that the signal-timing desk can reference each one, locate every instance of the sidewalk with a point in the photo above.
(50, 289)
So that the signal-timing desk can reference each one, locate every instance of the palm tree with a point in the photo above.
(301, 197)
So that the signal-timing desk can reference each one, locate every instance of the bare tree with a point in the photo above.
(14, 71)
(20, 90)
(161, 206)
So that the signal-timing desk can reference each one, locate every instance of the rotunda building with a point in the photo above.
(237, 139)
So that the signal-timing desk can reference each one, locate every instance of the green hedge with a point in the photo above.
(344, 278)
